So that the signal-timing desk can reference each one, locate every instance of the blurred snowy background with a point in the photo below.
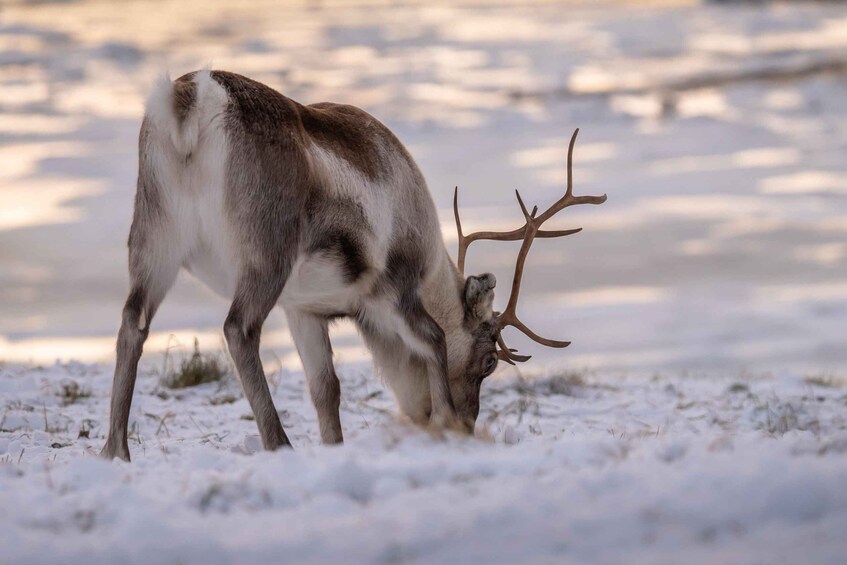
(698, 417)
(719, 132)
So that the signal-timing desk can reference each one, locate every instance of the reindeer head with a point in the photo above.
(482, 325)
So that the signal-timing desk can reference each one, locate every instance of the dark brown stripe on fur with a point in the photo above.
(185, 93)
(351, 133)
(348, 250)
(346, 131)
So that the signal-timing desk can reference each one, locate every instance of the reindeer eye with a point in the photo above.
(489, 365)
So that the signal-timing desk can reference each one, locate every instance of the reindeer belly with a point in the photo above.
(213, 268)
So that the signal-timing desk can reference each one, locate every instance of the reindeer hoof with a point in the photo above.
(110, 452)
(439, 423)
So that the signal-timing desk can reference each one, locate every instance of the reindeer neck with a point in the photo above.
(442, 294)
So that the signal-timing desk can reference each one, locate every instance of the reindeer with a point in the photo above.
(319, 209)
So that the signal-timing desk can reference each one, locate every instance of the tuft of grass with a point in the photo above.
(196, 370)
(71, 392)
(85, 429)
(738, 388)
(225, 399)
(568, 383)
(826, 381)
(779, 418)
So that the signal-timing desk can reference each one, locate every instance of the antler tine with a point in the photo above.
(569, 199)
(514, 235)
(509, 316)
(463, 243)
(526, 214)
(569, 189)
(508, 354)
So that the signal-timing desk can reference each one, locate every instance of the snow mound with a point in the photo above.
(564, 468)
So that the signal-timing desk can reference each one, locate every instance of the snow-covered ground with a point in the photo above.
(718, 131)
(566, 469)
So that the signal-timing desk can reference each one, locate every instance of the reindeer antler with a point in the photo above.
(514, 235)
(528, 232)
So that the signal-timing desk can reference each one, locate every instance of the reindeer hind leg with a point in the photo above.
(151, 276)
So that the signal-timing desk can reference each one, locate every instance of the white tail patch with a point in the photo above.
(209, 101)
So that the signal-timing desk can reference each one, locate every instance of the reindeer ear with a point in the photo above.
(478, 296)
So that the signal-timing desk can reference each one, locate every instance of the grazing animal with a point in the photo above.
(319, 209)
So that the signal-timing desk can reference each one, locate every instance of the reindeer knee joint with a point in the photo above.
(131, 327)
(326, 391)
(232, 331)
(237, 332)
